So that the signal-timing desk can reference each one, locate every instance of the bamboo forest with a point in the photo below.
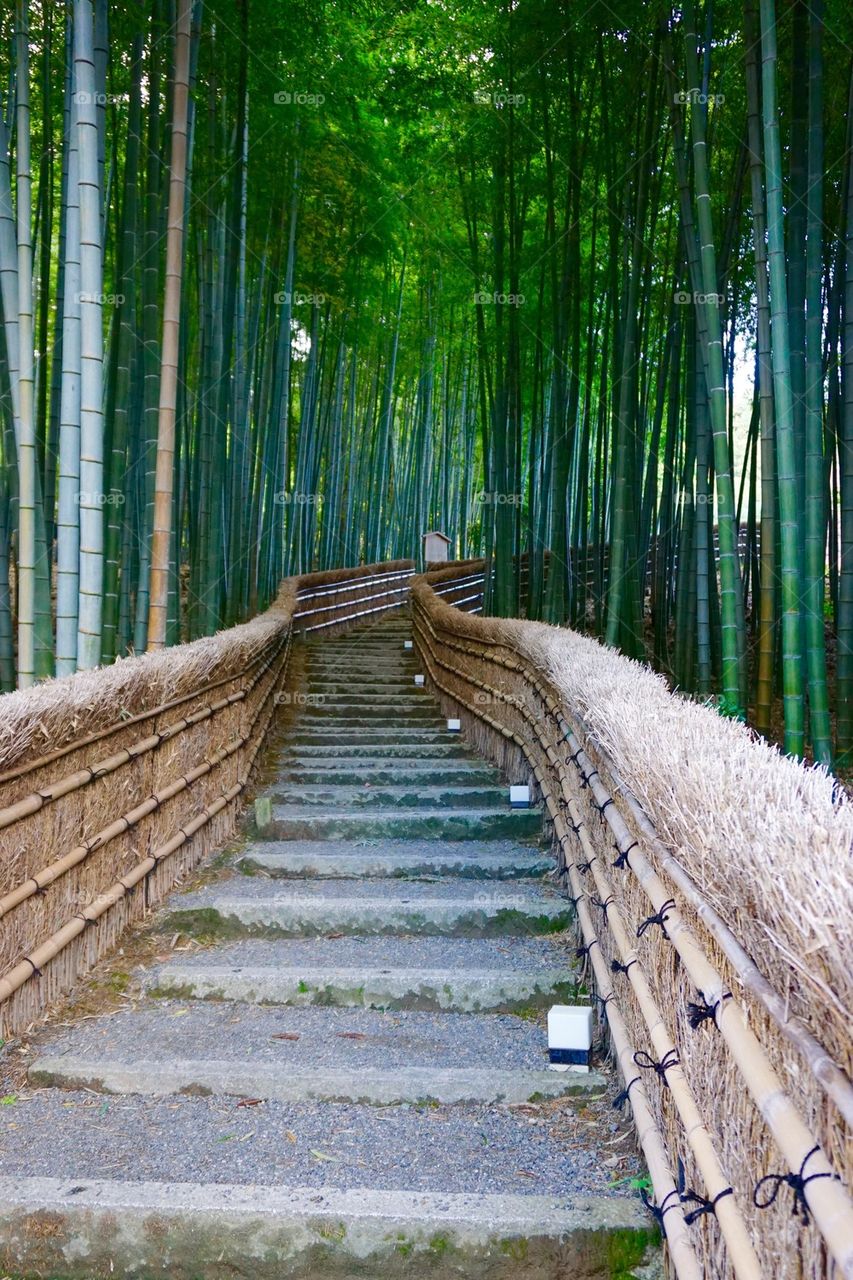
(284, 285)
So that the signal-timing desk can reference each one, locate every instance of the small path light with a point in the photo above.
(419, 681)
(454, 725)
(519, 797)
(408, 644)
(570, 1036)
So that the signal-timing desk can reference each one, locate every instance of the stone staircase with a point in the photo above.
(347, 1074)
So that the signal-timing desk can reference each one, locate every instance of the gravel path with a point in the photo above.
(322, 1037)
(451, 1149)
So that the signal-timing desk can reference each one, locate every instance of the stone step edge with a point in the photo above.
(287, 1082)
(378, 1215)
(451, 990)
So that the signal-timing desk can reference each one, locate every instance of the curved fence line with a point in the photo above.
(735, 1103)
(98, 829)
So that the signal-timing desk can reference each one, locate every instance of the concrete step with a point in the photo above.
(356, 772)
(310, 1054)
(469, 859)
(282, 1231)
(424, 716)
(462, 975)
(360, 1085)
(408, 696)
(292, 823)
(451, 747)
(414, 795)
(354, 736)
(341, 684)
(252, 907)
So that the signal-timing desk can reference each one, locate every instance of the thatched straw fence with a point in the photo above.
(115, 783)
(711, 878)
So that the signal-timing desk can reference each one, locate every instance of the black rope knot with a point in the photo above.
(659, 917)
(596, 902)
(601, 807)
(670, 1059)
(658, 1211)
(796, 1181)
(622, 860)
(704, 1012)
(583, 866)
(617, 967)
(583, 952)
(692, 1197)
(621, 1098)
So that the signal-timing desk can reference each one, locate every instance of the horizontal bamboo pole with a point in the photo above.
(649, 1135)
(48, 875)
(37, 800)
(32, 963)
(90, 739)
(732, 1226)
(824, 1069)
(825, 1195)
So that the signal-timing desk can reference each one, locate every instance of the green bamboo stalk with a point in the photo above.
(815, 484)
(789, 518)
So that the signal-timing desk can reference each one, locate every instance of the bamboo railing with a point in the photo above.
(96, 830)
(729, 1145)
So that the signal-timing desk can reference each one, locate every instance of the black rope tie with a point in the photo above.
(670, 1059)
(659, 917)
(583, 952)
(703, 1205)
(602, 807)
(621, 1098)
(574, 758)
(583, 866)
(90, 924)
(617, 967)
(604, 1000)
(586, 778)
(575, 901)
(704, 1012)
(596, 902)
(796, 1181)
(658, 1211)
(622, 860)
(36, 970)
(40, 890)
(575, 826)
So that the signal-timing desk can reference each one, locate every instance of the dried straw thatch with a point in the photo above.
(753, 851)
(117, 782)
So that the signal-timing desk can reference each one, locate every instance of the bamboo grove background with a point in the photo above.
(284, 285)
